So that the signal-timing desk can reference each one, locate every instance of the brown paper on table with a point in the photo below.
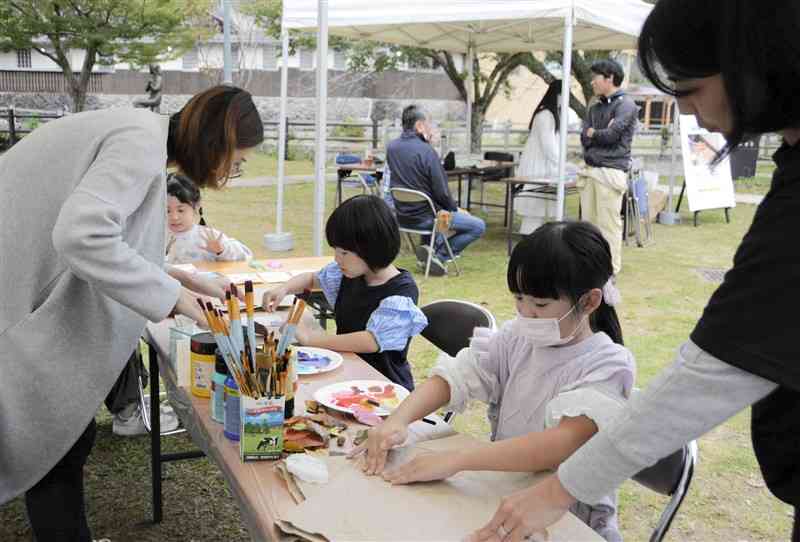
(354, 507)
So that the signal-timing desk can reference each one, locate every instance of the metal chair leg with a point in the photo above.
(430, 254)
(452, 256)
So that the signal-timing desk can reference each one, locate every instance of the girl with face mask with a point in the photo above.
(550, 377)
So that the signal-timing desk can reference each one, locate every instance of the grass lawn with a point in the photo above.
(662, 298)
(262, 164)
(760, 183)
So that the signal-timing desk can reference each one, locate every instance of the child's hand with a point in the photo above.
(212, 286)
(381, 439)
(272, 298)
(302, 333)
(424, 468)
(213, 241)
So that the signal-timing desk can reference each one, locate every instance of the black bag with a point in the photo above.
(450, 161)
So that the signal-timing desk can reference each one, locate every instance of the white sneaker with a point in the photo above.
(129, 422)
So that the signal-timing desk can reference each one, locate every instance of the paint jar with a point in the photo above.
(218, 389)
(202, 360)
(232, 413)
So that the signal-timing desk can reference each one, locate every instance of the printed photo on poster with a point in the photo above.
(708, 186)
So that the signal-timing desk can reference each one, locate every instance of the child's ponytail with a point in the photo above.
(605, 319)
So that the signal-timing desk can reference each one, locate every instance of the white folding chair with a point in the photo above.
(406, 195)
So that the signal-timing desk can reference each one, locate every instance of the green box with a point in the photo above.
(262, 428)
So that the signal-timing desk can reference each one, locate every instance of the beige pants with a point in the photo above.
(601, 200)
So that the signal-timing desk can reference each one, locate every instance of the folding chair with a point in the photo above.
(671, 476)
(359, 181)
(407, 195)
(450, 325)
(633, 215)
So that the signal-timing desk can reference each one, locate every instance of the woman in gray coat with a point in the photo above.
(82, 235)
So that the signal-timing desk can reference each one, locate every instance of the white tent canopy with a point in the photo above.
(495, 26)
(474, 26)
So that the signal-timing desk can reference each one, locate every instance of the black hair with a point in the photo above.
(366, 226)
(565, 259)
(549, 102)
(411, 114)
(184, 190)
(609, 68)
(754, 46)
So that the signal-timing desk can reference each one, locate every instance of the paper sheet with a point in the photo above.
(296, 272)
(355, 507)
(189, 268)
(241, 278)
(275, 277)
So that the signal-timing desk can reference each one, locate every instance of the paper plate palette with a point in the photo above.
(311, 361)
(361, 396)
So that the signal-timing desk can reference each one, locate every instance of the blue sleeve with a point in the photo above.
(396, 320)
(330, 280)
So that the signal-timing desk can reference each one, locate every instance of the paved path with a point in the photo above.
(749, 199)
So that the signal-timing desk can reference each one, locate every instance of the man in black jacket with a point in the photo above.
(414, 164)
(606, 138)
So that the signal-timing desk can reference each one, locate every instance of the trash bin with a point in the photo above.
(744, 158)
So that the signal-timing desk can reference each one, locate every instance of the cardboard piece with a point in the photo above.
(355, 507)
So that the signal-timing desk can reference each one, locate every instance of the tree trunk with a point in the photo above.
(476, 132)
(78, 94)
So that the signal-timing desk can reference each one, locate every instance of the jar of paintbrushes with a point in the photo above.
(265, 377)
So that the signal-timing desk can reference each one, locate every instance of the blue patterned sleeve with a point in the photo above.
(330, 280)
(396, 320)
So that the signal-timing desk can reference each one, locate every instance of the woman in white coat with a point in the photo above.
(82, 234)
(539, 159)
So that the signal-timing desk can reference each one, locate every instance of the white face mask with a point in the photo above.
(543, 331)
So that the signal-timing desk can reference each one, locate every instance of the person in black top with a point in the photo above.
(735, 65)
(374, 301)
(415, 165)
(606, 139)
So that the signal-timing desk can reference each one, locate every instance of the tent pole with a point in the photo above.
(470, 83)
(669, 217)
(569, 22)
(322, 112)
(282, 124)
(227, 57)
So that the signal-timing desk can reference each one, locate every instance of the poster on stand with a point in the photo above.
(707, 186)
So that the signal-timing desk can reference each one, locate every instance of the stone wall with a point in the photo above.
(300, 109)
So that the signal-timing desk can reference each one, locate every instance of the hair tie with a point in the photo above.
(611, 293)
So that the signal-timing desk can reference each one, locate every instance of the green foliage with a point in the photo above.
(109, 31)
(348, 131)
(33, 122)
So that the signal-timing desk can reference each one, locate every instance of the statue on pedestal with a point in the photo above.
(153, 89)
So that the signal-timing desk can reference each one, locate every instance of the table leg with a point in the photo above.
(155, 433)
(156, 457)
(510, 207)
(469, 191)
(339, 176)
(505, 211)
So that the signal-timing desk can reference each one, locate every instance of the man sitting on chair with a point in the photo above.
(416, 166)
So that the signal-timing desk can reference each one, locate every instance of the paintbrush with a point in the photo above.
(216, 327)
(251, 318)
(291, 325)
(235, 318)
